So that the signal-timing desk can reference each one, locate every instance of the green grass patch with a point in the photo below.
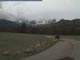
(74, 37)
(16, 43)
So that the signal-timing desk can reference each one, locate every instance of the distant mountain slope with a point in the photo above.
(6, 25)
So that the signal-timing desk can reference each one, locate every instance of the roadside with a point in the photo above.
(60, 50)
(76, 48)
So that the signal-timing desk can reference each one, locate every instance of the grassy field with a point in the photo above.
(74, 37)
(13, 46)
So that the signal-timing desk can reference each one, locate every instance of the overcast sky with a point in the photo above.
(67, 9)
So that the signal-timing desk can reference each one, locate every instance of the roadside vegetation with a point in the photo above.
(15, 46)
(73, 37)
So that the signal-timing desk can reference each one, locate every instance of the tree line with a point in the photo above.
(62, 27)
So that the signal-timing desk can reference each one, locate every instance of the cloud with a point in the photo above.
(46, 8)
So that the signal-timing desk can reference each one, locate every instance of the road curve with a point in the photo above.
(60, 50)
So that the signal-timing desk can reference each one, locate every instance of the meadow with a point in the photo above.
(72, 37)
(16, 46)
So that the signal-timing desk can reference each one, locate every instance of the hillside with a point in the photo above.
(6, 25)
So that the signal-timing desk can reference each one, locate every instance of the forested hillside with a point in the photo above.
(62, 27)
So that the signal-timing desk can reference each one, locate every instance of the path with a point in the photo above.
(76, 48)
(62, 49)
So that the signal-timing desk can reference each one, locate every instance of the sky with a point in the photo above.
(46, 9)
